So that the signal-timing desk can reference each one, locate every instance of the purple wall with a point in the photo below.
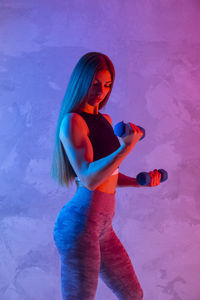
(155, 48)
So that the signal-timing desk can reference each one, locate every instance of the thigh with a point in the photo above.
(79, 251)
(116, 269)
(80, 269)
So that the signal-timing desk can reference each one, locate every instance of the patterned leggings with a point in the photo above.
(89, 247)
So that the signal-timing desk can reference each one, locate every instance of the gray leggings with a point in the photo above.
(89, 248)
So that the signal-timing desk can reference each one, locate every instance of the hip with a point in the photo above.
(87, 207)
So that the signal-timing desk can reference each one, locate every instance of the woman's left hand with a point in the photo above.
(155, 178)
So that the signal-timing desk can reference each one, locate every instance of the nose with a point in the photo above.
(100, 89)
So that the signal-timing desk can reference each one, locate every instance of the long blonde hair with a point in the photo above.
(77, 89)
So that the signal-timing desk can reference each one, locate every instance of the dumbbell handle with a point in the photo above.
(119, 129)
(144, 178)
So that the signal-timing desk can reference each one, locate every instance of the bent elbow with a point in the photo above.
(86, 183)
(89, 183)
(90, 186)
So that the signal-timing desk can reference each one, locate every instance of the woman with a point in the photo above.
(87, 150)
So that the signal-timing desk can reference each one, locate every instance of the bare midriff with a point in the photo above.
(108, 186)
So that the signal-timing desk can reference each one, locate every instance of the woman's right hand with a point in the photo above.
(131, 135)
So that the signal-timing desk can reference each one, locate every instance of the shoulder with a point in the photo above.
(73, 121)
(108, 118)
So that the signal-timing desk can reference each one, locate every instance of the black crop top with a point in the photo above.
(101, 134)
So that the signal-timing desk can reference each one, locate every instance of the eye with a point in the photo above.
(108, 86)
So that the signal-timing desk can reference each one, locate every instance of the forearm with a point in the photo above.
(126, 181)
(101, 169)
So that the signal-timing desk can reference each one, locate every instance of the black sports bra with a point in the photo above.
(101, 135)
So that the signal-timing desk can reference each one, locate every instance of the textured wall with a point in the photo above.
(155, 48)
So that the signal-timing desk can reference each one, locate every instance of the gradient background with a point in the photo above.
(155, 48)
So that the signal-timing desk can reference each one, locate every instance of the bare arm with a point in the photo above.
(126, 181)
(74, 137)
(99, 170)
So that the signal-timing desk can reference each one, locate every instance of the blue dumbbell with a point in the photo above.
(144, 178)
(119, 129)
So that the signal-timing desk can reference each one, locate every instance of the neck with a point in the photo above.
(90, 109)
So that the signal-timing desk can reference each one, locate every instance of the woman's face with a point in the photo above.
(100, 87)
